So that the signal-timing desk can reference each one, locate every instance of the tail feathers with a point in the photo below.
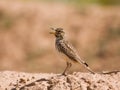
(86, 66)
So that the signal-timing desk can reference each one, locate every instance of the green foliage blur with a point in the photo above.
(109, 2)
(101, 2)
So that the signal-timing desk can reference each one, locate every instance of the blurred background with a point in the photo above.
(92, 26)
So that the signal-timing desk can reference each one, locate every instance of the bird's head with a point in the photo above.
(58, 32)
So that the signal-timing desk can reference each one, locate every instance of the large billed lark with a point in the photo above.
(66, 49)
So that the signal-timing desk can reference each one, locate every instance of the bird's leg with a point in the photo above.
(70, 64)
(67, 67)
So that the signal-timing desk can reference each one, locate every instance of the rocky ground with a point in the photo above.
(10, 80)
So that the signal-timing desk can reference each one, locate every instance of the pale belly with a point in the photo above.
(66, 58)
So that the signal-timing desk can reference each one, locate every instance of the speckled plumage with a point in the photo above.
(67, 49)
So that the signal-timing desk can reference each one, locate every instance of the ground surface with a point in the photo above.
(10, 80)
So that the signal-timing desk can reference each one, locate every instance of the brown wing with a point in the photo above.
(67, 49)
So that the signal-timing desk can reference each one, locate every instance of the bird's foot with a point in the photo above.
(64, 74)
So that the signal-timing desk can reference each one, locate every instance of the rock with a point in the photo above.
(10, 80)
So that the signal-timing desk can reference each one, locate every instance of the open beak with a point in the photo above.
(52, 32)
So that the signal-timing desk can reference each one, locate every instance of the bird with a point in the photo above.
(66, 49)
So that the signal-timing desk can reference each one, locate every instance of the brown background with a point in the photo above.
(26, 45)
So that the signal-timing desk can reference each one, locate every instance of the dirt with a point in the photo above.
(11, 80)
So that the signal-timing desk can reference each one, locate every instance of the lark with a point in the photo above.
(67, 49)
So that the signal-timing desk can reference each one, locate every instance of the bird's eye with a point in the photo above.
(59, 31)
(62, 32)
